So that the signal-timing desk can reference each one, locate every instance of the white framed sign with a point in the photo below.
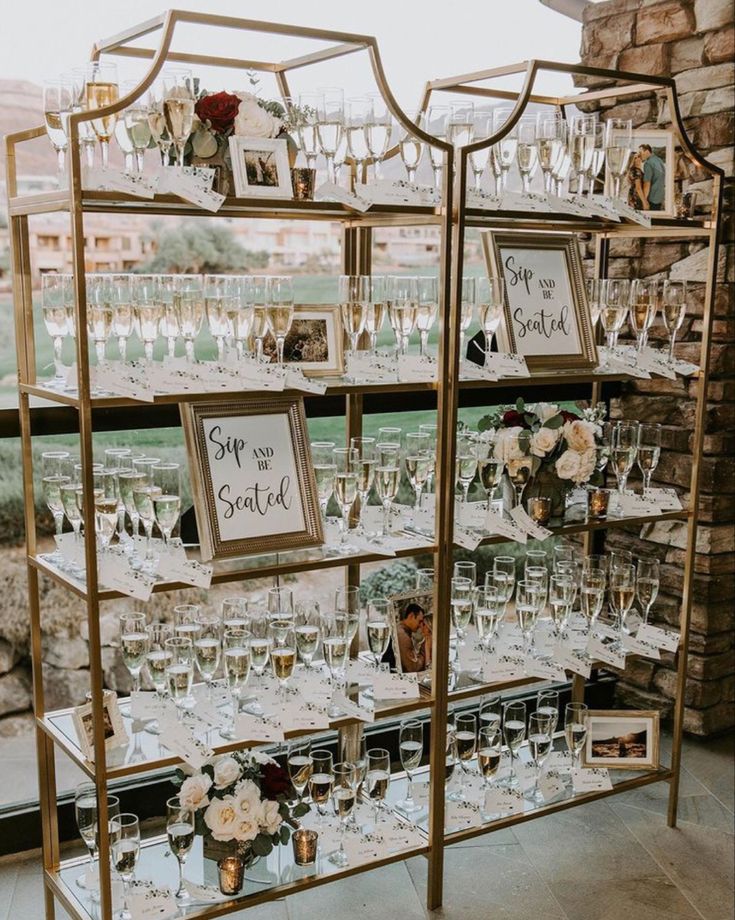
(546, 318)
(114, 731)
(251, 476)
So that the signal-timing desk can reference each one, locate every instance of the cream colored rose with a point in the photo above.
(270, 820)
(194, 789)
(226, 771)
(222, 819)
(506, 444)
(544, 441)
(247, 799)
(247, 829)
(568, 465)
(515, 465)
(252, 120)
(579, 435)
(545, 411)
(587, 465)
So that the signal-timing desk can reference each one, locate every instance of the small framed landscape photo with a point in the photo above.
(620, 739)
(115, 734)
(260, 167)
(314, 341)
(412, 632)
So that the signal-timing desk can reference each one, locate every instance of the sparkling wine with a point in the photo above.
(335, 650)
(189, 309)
(551, 712)
(377, 782)
(99, 96)
(403, 317)
(623, 598)
(514, 731)
(648, 458)
(260, 322)
(673, 314)
(461, 613)
(207, 653)
(491, 472)
(99, 322)
(133, 647)
(344, 801)
(179, 680)
(365, 468)
(143, 497)
(612, 317)
(320, 787)
(123, 320)
(527, 157)
(237, 666)
(278, 319)
(378, 636)
(466, 468)
(55, 129)
(426, 316)
(354, 315)
(282, 662)
(643, 313)
(466, 743)
(259, 653)
(180, 838)
(374, 317)
(68, 494)
(419, 469)
(324, 473)
(148, 316)
(547, 149)
(387, 479)
(218, 321)
(139, 129)
(622, 458)
(300, 767)
(179, 112)
(52, 493)
(105, 515)
(489, 719)
(487, 621)
(307, 639)
(575, 734)
(158, 663)
(647, 590)
(166, 509)
(345, 487)
(581, 149)
(451, 764)
(411, 752)
(129, 481)
(54, 318)
(617, 157)
(592, 601)
(526, 617)
(187, 630)
(488, 759)
(539, 746)
(86, 814)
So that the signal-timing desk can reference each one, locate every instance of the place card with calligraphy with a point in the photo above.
(591, 779)
(665, 639)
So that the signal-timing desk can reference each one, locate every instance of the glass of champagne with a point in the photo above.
(99, 312)
(466, 735)
(488, 615)
(144, 492)
(490, 711)
(55, 319)
(279, 310)
(344, 798)
(168, 323)
(643, 306)
(547, 704)
(648, 453)
(58, 100)
(234, 613)
(595, 289)
(377, 777)
(427, 307)
(71, 494)
(618, 147)
(85, 812)
(419, 461)
(549, 141)
(378, 131)
(283, 659)
(347, 605)
(461, 606)
(102, 90)
(616, 298)
(178, 107)
(466, 463)
(189, 309)
(208, 649)
(356, 122)
(489, 752)
(624, 451)
(237, 657)
(134, 644)
(582, 136)
(436, 125)
(561, 596)
(366, 460)
(527, 151)
(467, 311)
(490, 296)
(180, 671)
(307, 632)
(575, 730)
(157, 123)
(503, 154)
(506, 565)
(648, 580)
(411, 150)
(300, 765)
(148, 310)
(540, 742)
(55, 475)
(481, 129)
(622, 593)
(387, 480)
(354, 297)
(139, 131)
(514, 733)
(592, 596)
(376, 310)
(220, 295)
(158, 657)
(346, 464)
(180, 833)
(673, 310)
(320, 781)
(335, 648)
(325, 471)
(411, 749)
(167, 497)
(125, 849)
(379, 611)
(403, 295)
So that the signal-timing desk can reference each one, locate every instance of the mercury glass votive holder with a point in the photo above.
(231, 874)
(539, 509)
(598, 503)
(304, 846)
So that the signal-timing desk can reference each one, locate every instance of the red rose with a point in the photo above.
(514, 419)
(219, 109)
(275, 781)
(569, 416)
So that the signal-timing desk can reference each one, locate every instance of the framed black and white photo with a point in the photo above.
(252, 478)
(546, 318)
(83, 719)
(412, 631)
(622, 739)
(260, 167)
(649, 182)
(314, 343)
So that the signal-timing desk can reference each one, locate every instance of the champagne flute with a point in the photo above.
(279, 310)
(144, 492)
(466, 464)
(643, 305)
(99, 312)
(237, 657)
(461, 604)
(54, 472)
(547, 704)
(540, 742)
(148, 310)
(378, 625)
(220, 295)
(436, 125)
(157, 123)
(460, 123)
(169, 325)
(122, 135)
(549, 141)
(387, 480)
(528, 602)
(616, 294)
(180, 833)
(481, 128)
(648, 453)
(503, 153)
(138, 127)
(366, 461)
(158, 657)
(376, 309)
(598, 156)
(101, 90)
(489, 752)
(356, 122)
(335, 648)
(403, 305)
(514, 733)
(307, 633)
(488, 614)
(624, 451)
(58, 100)
(234, 613)
(310, 106)
(411, 150)
(451, 757)
(618, 148)
(592, 596)
(427, 304)
(70, 492)
(490, 297)
(575, 730)
(300, 765)
(467, 311)
(283, 659)
(320, 781)
(595, 291)
(561, 596)
(526, 151)
(490, 712)
(180, 671)
(208, 650)
(189, 309)
(506, 565)
(55, 319)
(134, 644)
(489, 467)
(466, 736)
(167, 498)
(673, 310)
(240, 312)
(354, 297)
(346, 463)
(125, 849)
(178, 107)
(648, 580)
(378, 131)
(344, 798)
(325, 471)
(419, 461)
(622, 593)
(377, 778)
(347, 605)
(582, 146)
(411, 749)
(331, 124)
(85, 812)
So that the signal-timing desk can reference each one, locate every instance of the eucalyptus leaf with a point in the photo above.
(556, 421)
(262, 845)
(520, 405)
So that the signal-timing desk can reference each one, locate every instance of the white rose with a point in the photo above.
(579, 435)
(194, 789)
(587, 465)
(260, 758)
(506, 444)
(545, 411)
(252, 120)
(226, 771)
(247, 799)
(222, 819)
(270, 820)
(247, 829)
(544, 441)
(567, 466)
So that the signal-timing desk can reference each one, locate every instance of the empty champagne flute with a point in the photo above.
(673, 310)
(595, 290)
(157, 124)
(331, 126)
(436, 125)
(101, 90)
(180, 833)
(180, 671)
(648, 453)
(575, 730)
(643, 306)
(618, 148)
(647, 582)
(503, 154)
(300, 765)
(321, 781)
(387, 480)
(468, 299)
(540, 742)
(134, 644)
(377, 626)
(58, 101)
(125, 849)
(514, 733)
(378, 131)
(279, 310)
(377, 778)
(356, 122)
(466, 463)
(419, 461)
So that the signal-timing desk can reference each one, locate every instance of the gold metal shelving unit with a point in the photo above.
(452, 218)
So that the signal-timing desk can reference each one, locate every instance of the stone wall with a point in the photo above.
(693, 41)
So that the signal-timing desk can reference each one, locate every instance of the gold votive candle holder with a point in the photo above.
(304, 846)
(231, 874)
(303, 181)
(598, 503)
(539, 509)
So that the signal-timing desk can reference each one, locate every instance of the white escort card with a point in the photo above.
(417, 368)
(534, 530)
(504, 668)
(665, 499)
(559, 762)
(506, 364)
(95, 178)
(182, 742)
(389, 191)
(571, 659)
(545, 669)
(368, 367)
(502, 801)
(632, 214)
(498, 525)
(633, 504)
(551, 785)
(192, 184)
(661, 638)
(330, 191)
(635, 646)
(353, 710)
(252, 728)
(601, 651)
(595, 779)
(115, 574)
(145, 902)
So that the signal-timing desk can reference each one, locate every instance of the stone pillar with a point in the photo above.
(692, 40)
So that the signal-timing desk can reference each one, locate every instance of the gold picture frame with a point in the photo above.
(251, 496)
(327, 322)
(83, 720)
(559, 339)
(618, 750)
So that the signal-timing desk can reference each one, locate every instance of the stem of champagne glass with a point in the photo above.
(60, 160)
(259, 349)
(148, 528)
(354, 338)
(423, 341)
(386, 514)
(171, 346)
(220, 349)
(525, 183)
(122, 347)
(99, 347)
(58, 342)
(437, 176)
(105, 149)
(616, 186)
(411, 170)
(610, 340)
(139, 161)
(373, 341)
(180, 154)
(345, 524)
(189, 349)
(672, 341)
(88, 152)
(148, 350)
(478, 180)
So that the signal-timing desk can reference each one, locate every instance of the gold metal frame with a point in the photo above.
(586, 359)
(452, 218)
(213, 546)
(651, 762)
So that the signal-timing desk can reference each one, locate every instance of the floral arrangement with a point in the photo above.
(558, 447)
(242, 798)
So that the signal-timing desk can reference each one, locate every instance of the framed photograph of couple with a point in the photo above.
(314, 342)
(622, 740)
(260, 167)
(412, 632)
(648, 184)
(114, 730)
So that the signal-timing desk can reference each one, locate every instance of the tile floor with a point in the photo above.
(609, 860)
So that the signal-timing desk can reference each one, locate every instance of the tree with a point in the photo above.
(197, 247)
